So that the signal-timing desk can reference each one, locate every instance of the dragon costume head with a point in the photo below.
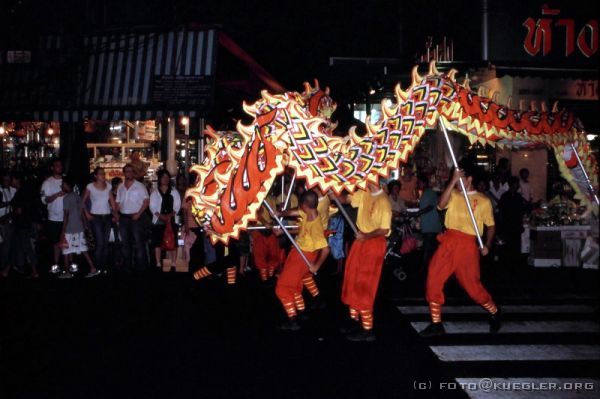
(295, 130)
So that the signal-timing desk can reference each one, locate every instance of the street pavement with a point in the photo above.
(163, 335)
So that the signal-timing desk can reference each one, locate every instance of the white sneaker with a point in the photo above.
(73, 268)
(65, 275)
(55, 269)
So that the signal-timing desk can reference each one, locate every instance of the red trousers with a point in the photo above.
(457, 254)
(363, 270)
(290, 280)
(266, 251)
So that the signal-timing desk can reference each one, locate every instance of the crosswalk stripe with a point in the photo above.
(407, 310)
(525, 388)
(473, 353)
(511, 327)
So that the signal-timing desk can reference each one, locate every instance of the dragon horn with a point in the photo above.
(544, 106)
(401, 95)
(268, 96)
(495, 96)
(387, 107)
(210, 132)
(533, 105)
(509, 102)
(249, 109)
(555, 106)
(452, 74)
(466, 84)
(307, 88)
(432, 69)
(521, 105)
(371, 128)
(416, 78)
(354, 138)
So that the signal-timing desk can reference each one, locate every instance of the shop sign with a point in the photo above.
(557, 89)
(538, 40)
(182, 90)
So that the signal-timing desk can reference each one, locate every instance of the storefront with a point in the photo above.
(108, 99)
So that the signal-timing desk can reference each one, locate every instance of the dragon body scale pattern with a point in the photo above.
(294, 130)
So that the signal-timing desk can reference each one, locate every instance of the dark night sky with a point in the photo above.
(292, 39)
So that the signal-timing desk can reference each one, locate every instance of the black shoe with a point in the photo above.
(303, 316)
(433, 330)
(270, 283)
(349, 328)
(361, 335)
(496, 321)
(290, 325)
(317, 303)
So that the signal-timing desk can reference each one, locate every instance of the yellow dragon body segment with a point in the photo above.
(294, 130)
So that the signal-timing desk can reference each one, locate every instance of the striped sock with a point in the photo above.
(311, 285)
(366, 317)
(299, 302)
(435, 310)
(290, 309)
(490, 307)
(202, 273)
(354, 314)
(264, 274)
(231, 274)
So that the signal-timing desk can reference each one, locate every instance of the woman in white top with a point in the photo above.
(165, 202)
(99, 214)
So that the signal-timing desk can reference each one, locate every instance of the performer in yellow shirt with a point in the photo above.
(458, 251)
(365, 261)
(311, 240)
(309, 282)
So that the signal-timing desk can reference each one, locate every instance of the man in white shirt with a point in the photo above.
(497, 188)
(132, 200)
(6, 227)
(52, 196)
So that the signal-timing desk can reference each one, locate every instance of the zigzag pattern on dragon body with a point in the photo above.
(294, 130)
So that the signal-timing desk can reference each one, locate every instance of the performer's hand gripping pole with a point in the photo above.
(462, 185)
(287, 233)
(587, 178)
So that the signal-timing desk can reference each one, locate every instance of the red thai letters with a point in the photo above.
(539, 34)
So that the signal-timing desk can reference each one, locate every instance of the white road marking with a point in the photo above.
(506, 309)
(511, 327)
(474, 353)
(530, 388)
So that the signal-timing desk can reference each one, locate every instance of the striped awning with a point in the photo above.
(120, 76)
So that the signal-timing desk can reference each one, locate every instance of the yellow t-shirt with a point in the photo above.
(457, 214)
(374, 211)
(311, 236)
(324, 209)
(264, 212)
